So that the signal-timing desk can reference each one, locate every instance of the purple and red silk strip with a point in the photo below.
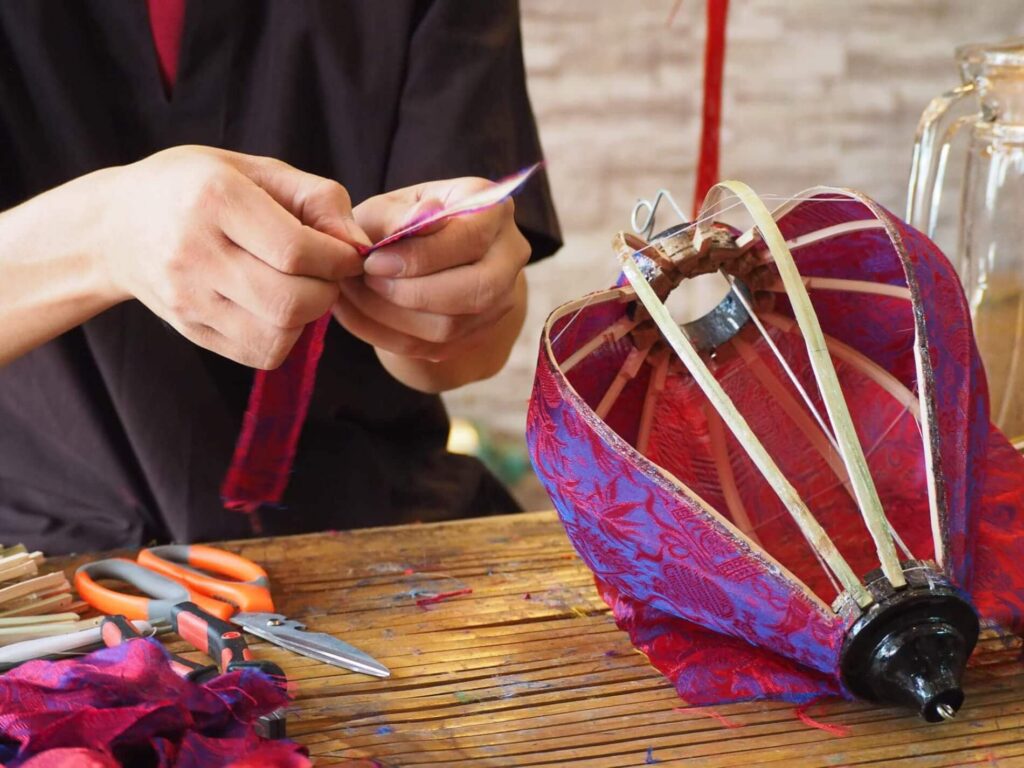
(261, 466)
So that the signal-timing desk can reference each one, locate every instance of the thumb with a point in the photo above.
(316, 201)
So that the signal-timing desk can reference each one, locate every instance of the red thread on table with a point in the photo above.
(707, 711)
(711, 118)
(839, 731)
(988, 759)
(423, 602)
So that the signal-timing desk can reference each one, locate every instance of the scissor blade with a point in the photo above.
(293, 636)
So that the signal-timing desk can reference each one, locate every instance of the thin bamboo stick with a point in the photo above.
(34, 607)
(809, 526)
(10, 635)
(820, 439)
(659, 372)
(49, 582)
(834, 231)
(935, 509)
(825, 447)
(726, 477)
(828, 384)
(840, 284)
(17, 621)
(612, 333)
(862, 363)
(11, 558)
(782, 361)
(747, 239)
(629, 369)
(780, 211)
(18, 567)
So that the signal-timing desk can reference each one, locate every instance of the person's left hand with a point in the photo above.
(443, 292)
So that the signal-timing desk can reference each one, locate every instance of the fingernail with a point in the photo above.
(384, 264)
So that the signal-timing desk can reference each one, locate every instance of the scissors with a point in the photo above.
(226, 587)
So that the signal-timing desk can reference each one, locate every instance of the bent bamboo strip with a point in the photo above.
(726, 478)
(630, 368)
(659, 372)
(613, 333)
(828, 383)
(841, 284)
(809, 526)
(860, 362)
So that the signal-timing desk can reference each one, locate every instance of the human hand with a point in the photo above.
(238, 253)
(441, 293)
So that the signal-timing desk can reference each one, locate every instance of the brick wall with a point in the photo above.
(816, 92)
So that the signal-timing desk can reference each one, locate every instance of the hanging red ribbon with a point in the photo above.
(711, 118)
(261, 467)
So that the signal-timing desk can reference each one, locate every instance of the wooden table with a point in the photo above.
(530, 670)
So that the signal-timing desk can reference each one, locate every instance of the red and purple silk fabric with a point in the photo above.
(728, 621)
(125, 706)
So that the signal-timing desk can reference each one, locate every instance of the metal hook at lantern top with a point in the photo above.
(646, 228)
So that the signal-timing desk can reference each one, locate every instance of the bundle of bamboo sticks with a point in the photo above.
(33, 604)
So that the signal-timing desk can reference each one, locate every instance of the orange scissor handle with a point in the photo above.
(200, 567)
(163, 593)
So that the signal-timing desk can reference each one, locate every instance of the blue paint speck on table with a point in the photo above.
(384, 730)
(650, 759)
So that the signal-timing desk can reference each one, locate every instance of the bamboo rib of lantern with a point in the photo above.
(852, 470)
(920, 404)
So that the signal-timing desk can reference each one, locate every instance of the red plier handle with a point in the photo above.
(117, 630)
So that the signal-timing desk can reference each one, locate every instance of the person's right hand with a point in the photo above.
(238, 253)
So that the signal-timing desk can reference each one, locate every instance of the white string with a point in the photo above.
(808, 525)
(781, 360)
(571, 320)
(869, 452)
(803, 392)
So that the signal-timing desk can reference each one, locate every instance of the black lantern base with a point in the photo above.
(910, 647)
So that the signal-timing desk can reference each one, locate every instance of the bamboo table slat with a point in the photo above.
(529, 669)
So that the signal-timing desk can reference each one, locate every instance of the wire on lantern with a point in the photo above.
(849, 448)
(643, 219)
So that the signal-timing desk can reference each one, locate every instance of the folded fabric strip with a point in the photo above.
(125, 706)
(710, 668)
